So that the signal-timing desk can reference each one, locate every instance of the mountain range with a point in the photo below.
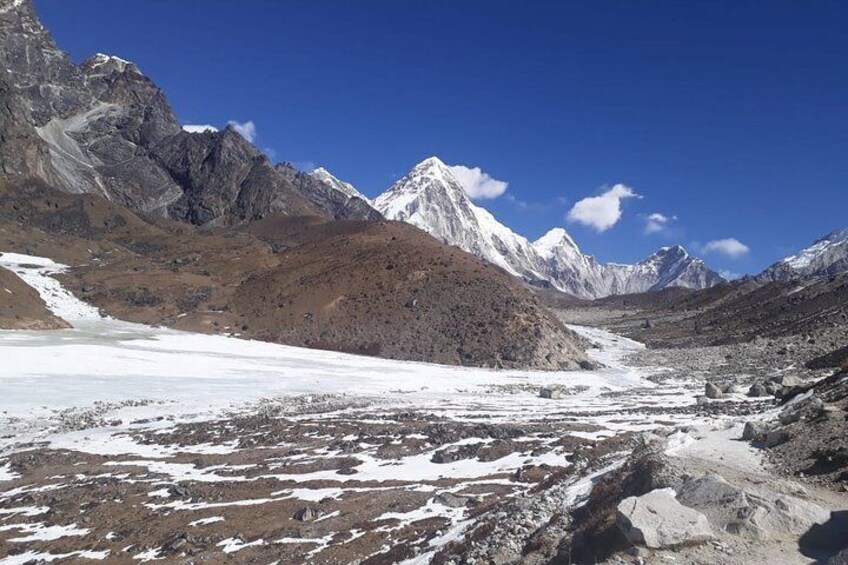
(104, 128)
(827, 256)
(433, 199)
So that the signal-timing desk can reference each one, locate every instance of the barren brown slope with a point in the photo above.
(21, 308)
(378, 288)
(389, 289)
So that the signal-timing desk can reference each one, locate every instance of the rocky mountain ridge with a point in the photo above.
(827, 256)
(432, 198)
(104, 128)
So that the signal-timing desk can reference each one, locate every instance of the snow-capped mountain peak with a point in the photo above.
(555, 241)
(433, 199)
(826, 256)
(326, 176)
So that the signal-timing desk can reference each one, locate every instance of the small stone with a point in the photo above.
(308, 514)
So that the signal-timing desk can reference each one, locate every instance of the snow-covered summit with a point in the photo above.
(826, 256)
(326, 176)
(433, 199)
(102, 63)
(554, 241)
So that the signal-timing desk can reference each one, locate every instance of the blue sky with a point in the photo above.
(730, 116)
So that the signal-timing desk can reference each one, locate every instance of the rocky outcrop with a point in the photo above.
(744, 513)
(658, 521)
(335, 197)
(223, 177)
(827, 256)
(105, 128)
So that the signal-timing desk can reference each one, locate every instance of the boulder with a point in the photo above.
(749, 514)
(757, 390)
(754, 431)
(452, 500)
(786, 380)
(712, 390)
(784, 515)
(713, 496)
(550, 392)
(776, 437)
(658, 521)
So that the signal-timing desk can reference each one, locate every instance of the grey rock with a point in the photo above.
(747, 514)
(757, 390)
(550, 392)
(309, 514)
(754, 431)
(452, 500)
(776, 437)
(658, 521)
(711, 390)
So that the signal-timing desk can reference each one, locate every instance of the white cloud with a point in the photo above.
(730, 275)
(601, 212)
(656, 222)
(247, 129)
(478, 184)
(731, 247)
(199, 128)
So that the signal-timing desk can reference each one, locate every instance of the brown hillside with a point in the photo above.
(377, 288)
(21, 308)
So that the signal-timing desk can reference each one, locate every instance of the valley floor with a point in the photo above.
(128, 444)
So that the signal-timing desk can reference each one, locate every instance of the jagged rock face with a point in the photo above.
(338, 198)
(325, 176)
(431, 198)
(104, 128)
(827, 256)
(223, 176)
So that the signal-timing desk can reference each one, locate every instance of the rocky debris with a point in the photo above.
(309, 514)
(456, 453)
(179, 491)
(711, 390)
(815, 425)
(658, 521)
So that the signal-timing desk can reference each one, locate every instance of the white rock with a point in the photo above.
(657, 520)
